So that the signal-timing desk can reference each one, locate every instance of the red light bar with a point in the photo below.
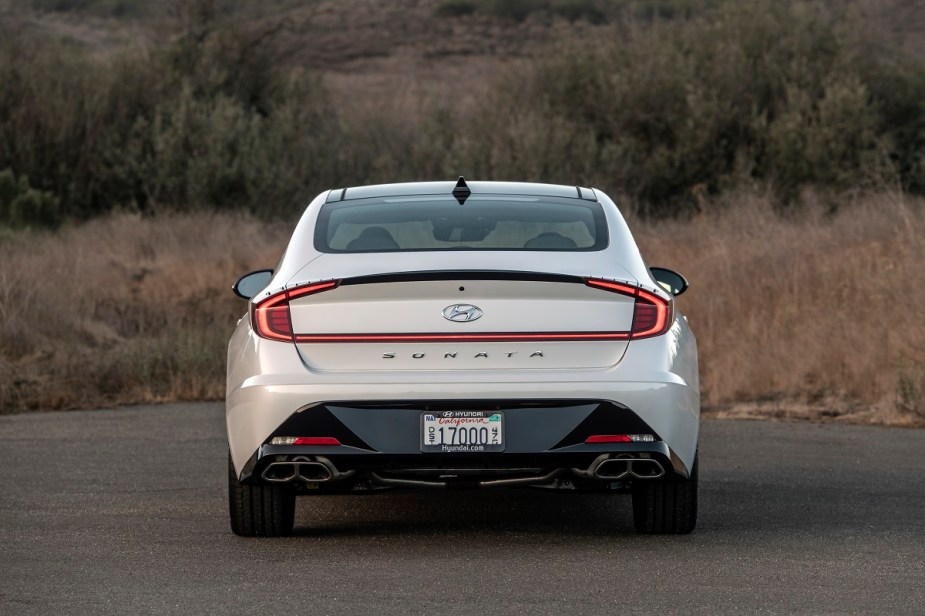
(271, 317)
(609, 438)
(616, 287)
(487, 337)
(316, 440)
(304, 440)
(311, 288)
(652, 315)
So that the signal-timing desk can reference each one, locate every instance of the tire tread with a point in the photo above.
(259, 510)
(666, 507)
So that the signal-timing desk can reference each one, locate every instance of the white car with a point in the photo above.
(443, 335)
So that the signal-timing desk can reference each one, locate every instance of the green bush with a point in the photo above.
(213, 119)
(649, 10)
(782, 95)
(106, 8)
(456, 8)
(592, 11)
(896, 86)
(767, 92)
(23, 206)
(513, 10)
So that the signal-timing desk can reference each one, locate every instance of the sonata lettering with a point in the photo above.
(454, 354)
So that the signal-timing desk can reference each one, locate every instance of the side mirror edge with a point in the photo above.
(670, 280)
(250, 284)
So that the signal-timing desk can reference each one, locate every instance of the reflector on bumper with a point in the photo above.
(620, 438)
(304, 440)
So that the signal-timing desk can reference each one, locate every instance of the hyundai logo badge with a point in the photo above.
(461, 313)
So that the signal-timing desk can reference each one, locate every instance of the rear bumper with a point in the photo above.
(544, 444)
(256, 413)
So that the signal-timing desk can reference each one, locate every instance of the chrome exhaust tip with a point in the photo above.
(613, 468)
(313, 471)
(634, 468)
(280, 472)
(297, 470)
(646, 468)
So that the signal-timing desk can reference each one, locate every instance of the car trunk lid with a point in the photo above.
(462, 320)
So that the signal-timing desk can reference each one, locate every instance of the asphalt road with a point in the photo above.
(123, 511)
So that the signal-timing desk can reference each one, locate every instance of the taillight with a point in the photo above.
(652, 315)
(271, 317)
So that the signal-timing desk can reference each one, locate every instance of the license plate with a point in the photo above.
(462, 431)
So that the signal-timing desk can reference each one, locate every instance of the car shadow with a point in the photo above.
(447, 513)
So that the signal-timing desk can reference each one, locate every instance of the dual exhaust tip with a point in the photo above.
(629, 468)
(317, 471)
(297, 470)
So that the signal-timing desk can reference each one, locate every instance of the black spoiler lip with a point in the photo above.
(468, 274)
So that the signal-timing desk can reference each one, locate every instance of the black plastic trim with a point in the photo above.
(461, 275)
(589, 197)
(570, 452)
(608, 418)
(318, 421)
(469, 405)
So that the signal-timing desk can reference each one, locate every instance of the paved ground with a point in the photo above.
(123, 511)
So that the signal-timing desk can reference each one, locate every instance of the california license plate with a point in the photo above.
(462, 431)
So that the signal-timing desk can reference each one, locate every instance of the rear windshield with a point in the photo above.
(484, 222)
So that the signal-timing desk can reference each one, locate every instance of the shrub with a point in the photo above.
(23, 206)
(107, 8)
(593, 11)
(896, 86)
(664, 112)
(456, 8)
(768, 93)
(574, 10)
(212, 119)
(513, 10)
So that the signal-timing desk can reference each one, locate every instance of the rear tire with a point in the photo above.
(259, 510)
(666, 507)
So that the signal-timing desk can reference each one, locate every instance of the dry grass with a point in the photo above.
(124, 309)
(814, 316)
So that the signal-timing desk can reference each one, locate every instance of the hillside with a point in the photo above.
(374, 49)
(772, 150)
